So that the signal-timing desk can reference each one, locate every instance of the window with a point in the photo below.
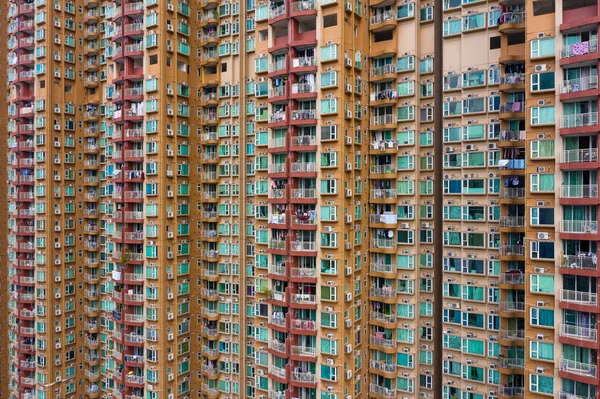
(541, 384)
(541, 350)
(542, 250)
(542, 182)
(541, 317)
(473, 21)
(542, 149)
(452, 27)
(329, 53)
(542, 81)
(542, 284)
(542, 48)
(542, 216)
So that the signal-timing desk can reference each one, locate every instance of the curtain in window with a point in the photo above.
(547, 182)
(475, 346)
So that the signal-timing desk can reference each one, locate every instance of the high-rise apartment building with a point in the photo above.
(314, 199)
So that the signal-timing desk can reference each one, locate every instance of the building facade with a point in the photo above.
(221, 199)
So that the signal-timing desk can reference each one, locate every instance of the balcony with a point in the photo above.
(579, 368)
(579, 297)
(512, 221)
(512, 278)
(583, 333)
(579, 226)
(512, 250)
(380, 267)
(304, 351)
(512, 306)
(579, 120)
(388, 169)
(302, 62)
(577, 49)
(300, 6)
(383, 17)
(511, 363)
(582, 262)
(385, 243)
(277, 371)
(304, 193)
(385, 343)
(578, 156)
(382, 317)
(512, 335)
(383, 193)
(511, 392)
(304, 246)
(305, 114)
(579, 191)
(303, 325)
(382, 366)
(382, 391)
(387, 119)
(383, 70)
(304, 299)
(304, 272)
(385, 292)
(304, 167)
(277, 346)
(306, 377)
(580, 84)
(277, 11)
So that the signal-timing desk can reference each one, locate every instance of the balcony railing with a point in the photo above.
(304, 167)
(304, 246)
(386, 292)
(382, 366)
(382, 17)
(512, 335)
(383, 70)
(583, 333)
(579, 226)
(512, 250)
(382, 317)
(301, 62)
(581, 48)
(300, 141)
(512, 278)
(512, 306)
(380, 193)
(383, 119)
(584, 262)
(580, 84)
(579, 120)
(383, 169)
(306, 377)
(580, 368)
(579, 297)
(511, 18)
(304, 193)
(307, 325)
(512, 221)
(579, 191)
(276, 12)
(382, 391)
(511, 392)
(380, 267)
(307, 5)
(383, 243)
(582, 155)
(304, 350)
(386, 343)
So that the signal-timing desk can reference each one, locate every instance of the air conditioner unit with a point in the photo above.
(170, 194)
(348, 60)
(169, 48)
(171, 377)
(348, 296)
(170, 356)
(348, 87)
(170, 316)
(170, 92)
(170, 7)
(348, 374)
(543, 236)
(349, 139)
(170, 28)
(348, 245)
(348, 270)
(470, 147)
(541, 68)
(348, 323)
(170, 276)
(348, 348)
(170, 214)
(348, 218)
(348, 192)
(348, 165)
(170, 256)
(169, 153)
(169, 132)
(170, 112)
(170, 294)
(170, 234)
(56, 127)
